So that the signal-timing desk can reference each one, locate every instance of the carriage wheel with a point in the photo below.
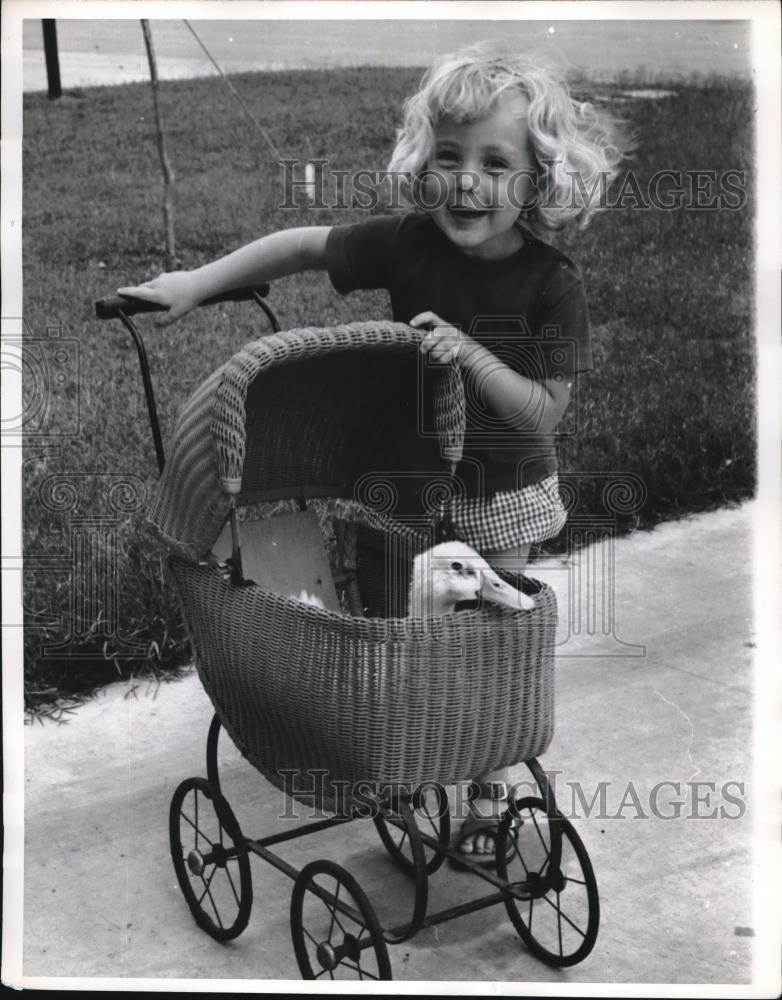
(430, 814)
(336, 934)
(210, 859)
(553, 903)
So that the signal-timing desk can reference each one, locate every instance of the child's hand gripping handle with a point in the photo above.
(442, 342)
(110, 308)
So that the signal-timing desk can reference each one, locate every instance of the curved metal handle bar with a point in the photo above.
(123, 307)
(149, 392)
(258, 296)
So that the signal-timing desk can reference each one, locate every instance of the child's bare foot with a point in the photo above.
(477, 836)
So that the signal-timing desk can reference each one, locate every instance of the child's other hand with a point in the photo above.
(442, 342)
(174, 289)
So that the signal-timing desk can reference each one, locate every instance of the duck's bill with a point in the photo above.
(497, 591)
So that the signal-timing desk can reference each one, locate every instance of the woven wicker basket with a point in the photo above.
(323, 703)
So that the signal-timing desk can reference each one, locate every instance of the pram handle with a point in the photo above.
(110, 308)
(122, 307)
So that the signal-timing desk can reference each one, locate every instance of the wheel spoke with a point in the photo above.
(362, 973)
(517, 853)
(433, 827)
(321, 892)
(334, 911)
(207, 883)
(338, 921)
(195, 803)
(233, 887)
(214, 906)
(344, 955)
(564, 915)
(188, 820)
(543, 842)
(363, 927)
(432, 819)
(340, 924)
(553, 942)
(398, 825)
(355, 968)
(559, 925)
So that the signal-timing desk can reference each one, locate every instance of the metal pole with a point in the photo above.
(52, 59)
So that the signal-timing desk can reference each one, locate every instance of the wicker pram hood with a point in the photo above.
(346, 411)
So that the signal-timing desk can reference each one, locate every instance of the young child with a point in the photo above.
(495, 151)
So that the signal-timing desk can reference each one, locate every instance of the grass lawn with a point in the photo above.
(671, 400)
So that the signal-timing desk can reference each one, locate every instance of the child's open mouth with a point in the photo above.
(467, 214)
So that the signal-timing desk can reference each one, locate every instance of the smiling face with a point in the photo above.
(478, 177)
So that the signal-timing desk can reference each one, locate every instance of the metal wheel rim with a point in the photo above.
(341, 928)
(234, 879)
(548, 898)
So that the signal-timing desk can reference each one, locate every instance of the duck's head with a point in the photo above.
(452, 572)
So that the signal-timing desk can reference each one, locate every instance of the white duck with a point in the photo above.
(445, 575)
(452, 572)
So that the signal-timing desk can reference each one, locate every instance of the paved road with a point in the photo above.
(101, 899)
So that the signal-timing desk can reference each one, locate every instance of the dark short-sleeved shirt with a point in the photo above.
(529, 309)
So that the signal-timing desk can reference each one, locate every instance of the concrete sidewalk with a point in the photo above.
(101, 897)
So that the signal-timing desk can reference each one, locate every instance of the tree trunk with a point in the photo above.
(171, 262)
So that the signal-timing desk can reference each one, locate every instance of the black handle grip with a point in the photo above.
(110, 308)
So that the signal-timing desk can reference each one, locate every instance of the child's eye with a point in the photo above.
(496, 166)
(446, 157)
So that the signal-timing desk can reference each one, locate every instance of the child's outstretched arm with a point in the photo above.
(288, 251)
(526, 405)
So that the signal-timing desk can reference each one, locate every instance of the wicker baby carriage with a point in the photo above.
(359, 715)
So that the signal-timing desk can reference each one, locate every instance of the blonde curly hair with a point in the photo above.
(570, 139)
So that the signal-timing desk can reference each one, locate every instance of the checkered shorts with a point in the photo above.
(513, 517)
(500, 521)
